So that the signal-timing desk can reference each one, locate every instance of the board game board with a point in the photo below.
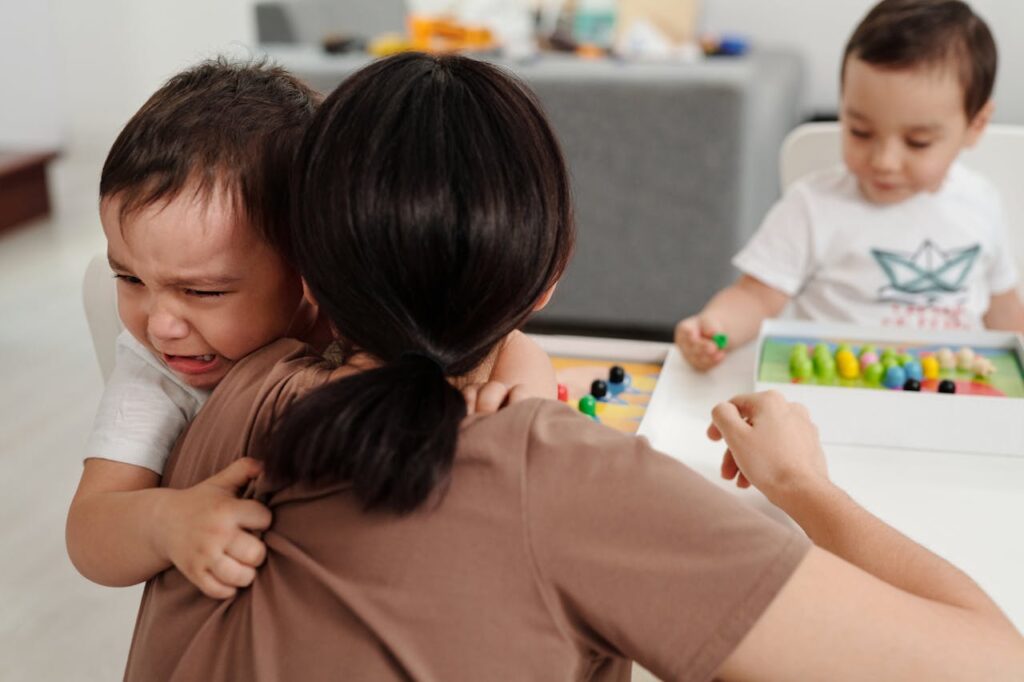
(1007, 379)
(624, 411)
(915, 391)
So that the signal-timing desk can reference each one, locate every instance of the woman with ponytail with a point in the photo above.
(411, 541)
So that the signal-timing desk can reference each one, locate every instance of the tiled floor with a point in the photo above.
(54, 625)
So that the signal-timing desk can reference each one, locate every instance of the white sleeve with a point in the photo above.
(1002, 273)
(780, 253)
(142, 411)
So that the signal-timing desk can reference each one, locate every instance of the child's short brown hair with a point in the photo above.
(220, 125)
(907, 33)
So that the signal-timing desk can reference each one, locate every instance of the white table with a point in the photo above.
(967, 508)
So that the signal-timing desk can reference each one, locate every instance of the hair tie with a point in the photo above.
(420, 356)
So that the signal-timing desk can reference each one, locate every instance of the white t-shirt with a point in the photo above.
(144, 409)
(932, 261)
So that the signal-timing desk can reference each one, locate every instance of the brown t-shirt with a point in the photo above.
(561, 550)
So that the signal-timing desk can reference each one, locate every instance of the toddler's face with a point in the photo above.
(197, 286)
(903, 128)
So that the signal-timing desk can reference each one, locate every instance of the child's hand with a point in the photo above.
(207, 531)
(492, 396)
(694, 338)
(772, 444)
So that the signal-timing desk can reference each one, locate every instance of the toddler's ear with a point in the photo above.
(978, 124)
(544, 298)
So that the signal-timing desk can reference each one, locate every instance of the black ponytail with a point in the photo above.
(401, 417)
(432, 212)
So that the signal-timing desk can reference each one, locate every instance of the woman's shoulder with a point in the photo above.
(554, 441)
(264, 382)
(282, 361)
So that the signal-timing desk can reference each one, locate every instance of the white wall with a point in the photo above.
(30, 111)
(819, 30)
(115, 53)
(79, 68)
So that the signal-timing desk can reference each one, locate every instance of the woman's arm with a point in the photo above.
(867, 602)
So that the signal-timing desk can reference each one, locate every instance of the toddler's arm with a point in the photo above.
(522, 362)
(1005, 311)
(736, 311)
(122, 529)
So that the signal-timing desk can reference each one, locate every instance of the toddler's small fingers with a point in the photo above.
(742, 481)
(491, 397)
(518, 393)
(470, 393)
(253, 515)
(232, 573)
(713, 433)
(247, 549)
(213, 588)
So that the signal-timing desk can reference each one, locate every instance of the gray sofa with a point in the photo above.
(673, 166)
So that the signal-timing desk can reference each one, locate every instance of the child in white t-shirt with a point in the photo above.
(194, 202)
(900, 234)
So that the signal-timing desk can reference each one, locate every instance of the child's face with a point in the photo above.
(198, 287)
(903, 128)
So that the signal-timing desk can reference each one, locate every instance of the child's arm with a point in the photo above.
(736, 311)
(1006, 312)
(123, 530)
(522, 362)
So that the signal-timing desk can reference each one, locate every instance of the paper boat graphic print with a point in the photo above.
(926, 274)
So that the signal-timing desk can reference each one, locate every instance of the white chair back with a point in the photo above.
(99, 295)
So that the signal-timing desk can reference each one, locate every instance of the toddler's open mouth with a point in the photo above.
(192, 364)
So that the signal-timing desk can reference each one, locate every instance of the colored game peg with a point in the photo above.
(618, 380)
(914, 370)
(802, 367)
(895, 377)
(873, 373)
(930, 367)
(588, 405)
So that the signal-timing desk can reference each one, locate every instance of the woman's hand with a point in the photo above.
(772, 444)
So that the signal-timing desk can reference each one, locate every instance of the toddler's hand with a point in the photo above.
(487, 398)
(772, 444)
(694, 338)
(207, 531)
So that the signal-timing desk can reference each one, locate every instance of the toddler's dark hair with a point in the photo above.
(221, 125)
(436, 213)
(908, 33)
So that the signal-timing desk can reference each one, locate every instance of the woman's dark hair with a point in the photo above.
(908, 33)
(432, 212)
